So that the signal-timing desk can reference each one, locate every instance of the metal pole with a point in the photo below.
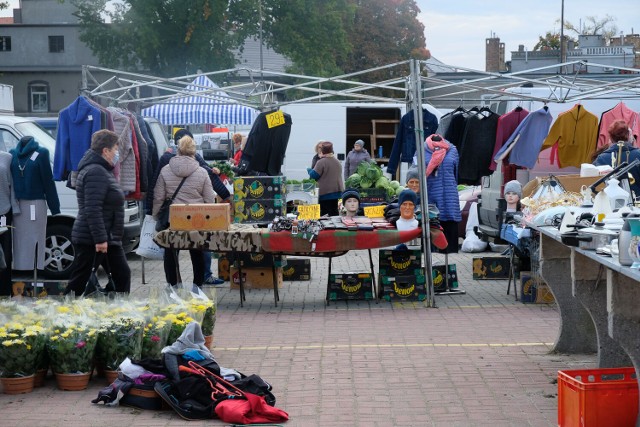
(416, 105)
(562, 37)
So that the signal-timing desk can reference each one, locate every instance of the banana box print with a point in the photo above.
(258, 187)
(350, 286)
(488, 268)
(403, 288)
(261, 211)
(394, 263)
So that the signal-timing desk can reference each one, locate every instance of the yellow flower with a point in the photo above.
(6, 343)
(54, 338)
(63, 309)
(28, 346)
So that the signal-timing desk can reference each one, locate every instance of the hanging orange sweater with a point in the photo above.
(575, 132)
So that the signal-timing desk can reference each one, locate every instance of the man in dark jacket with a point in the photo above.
(98, 229)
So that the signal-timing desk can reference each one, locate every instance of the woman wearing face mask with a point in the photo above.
(98, 228)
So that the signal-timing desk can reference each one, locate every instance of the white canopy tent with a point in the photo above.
(420, 84)
(208, 104)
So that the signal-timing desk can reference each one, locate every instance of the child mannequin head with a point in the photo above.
(351, 202)
(513, 194)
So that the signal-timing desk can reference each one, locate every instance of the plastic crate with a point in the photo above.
(598, 397)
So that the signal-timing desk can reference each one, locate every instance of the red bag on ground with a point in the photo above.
(254, 410)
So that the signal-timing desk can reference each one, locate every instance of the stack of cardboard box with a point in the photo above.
(258, 199)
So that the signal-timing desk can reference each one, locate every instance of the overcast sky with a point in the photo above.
(456, 29)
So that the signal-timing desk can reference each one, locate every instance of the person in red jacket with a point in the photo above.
(237, 148)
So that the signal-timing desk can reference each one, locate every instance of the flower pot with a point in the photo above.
(17, 385)
(38, 378)
(72, 382)
(111, 376)
(208, 341)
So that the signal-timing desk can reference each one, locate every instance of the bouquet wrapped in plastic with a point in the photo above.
(22, 349)
(71, 348)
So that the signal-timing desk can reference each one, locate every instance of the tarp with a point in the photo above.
(214, 106)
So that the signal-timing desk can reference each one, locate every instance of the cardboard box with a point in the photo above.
(259, 187)
(350, 286)
(572, 183)
(41, 289)
(255, 278)
(533, 290)
(439, 282)
(403, 288)
(489, 268)
(200, 216)
(261, 211)
(399, 263)
(297, 269)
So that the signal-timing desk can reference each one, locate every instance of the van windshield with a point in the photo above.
(38, 133)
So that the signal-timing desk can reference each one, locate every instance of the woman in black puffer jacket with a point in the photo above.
(99, 226)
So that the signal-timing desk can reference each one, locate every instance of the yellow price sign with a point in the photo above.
(374, 211)
(308, 211)
(275, 119)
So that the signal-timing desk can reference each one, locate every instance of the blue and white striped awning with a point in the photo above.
(213, 107)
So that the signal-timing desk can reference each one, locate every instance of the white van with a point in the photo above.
(59, 251)
(341, 123)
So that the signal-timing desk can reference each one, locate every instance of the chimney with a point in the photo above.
(520, 48)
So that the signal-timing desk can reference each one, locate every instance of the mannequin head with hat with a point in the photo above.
(413, 181)
(513, 194)
(407, 201)
(351, 202)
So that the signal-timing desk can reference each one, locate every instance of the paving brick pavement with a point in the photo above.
(478, 359)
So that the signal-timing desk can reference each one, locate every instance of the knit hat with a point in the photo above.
(412, 174)
(407, 196)
(180, 133)
(513, 187)
(359, 142)
(350, 193)
(327, 147)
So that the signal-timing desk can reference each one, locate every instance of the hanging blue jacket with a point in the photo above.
(404, 145)
(31, 172)
(442, 185)
(528, 138)
(76, 125)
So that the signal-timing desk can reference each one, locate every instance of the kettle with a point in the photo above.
(624, 241)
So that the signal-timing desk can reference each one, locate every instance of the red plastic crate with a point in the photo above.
(598, 397)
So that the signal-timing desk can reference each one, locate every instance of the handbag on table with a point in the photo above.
(162, 223)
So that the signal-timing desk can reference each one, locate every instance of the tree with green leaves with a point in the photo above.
(166, 38)
(550, 41)
(593, 25)
(4, 5)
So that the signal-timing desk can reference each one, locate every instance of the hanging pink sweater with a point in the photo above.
(619, 112)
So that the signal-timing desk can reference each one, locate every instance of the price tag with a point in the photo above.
(374, 211)
(308, 211)
(275, 119)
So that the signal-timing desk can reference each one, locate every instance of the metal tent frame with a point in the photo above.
(259, 89)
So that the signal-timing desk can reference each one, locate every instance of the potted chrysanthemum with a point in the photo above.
(71, 349)
(21, 348)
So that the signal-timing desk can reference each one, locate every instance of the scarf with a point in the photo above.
(439, 151)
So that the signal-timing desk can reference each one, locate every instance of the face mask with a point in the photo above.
(116, 158)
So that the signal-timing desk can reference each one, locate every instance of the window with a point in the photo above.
(56, 44)
(8, 141)
(39, 97)
(5, 44)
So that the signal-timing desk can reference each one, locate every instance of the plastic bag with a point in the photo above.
(147, 247)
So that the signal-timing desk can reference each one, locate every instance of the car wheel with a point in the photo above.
(60, 255)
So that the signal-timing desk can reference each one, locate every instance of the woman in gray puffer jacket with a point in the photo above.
(197, 188)
(354, 158)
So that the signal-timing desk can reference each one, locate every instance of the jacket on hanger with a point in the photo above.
(477, 146)
(76, 124)
(619, 112)
(404, 144)
(575, 133)
(32, 176)
(527, 139)
(507, 124)
(442, 185)
(455, 131)
(266, 146)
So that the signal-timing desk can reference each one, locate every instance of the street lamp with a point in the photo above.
(562, 35)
